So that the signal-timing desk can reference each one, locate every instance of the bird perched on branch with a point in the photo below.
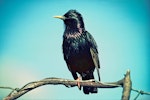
(79, 49)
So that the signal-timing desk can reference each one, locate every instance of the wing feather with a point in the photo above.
(94, 53)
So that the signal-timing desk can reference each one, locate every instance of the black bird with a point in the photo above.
(79, 49)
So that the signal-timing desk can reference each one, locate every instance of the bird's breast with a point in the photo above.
(77, 53)
(75, 45)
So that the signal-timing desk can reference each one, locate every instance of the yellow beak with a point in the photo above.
(60, 17)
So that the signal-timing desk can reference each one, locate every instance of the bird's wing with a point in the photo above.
(94, 53)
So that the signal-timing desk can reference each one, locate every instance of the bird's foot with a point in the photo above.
(78, 83)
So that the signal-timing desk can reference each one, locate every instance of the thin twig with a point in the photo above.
(137, 96)
(140, 92)
(5, 87)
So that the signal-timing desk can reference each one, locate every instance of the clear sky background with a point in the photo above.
(31, 40)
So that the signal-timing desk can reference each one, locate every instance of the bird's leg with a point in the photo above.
(78, 83)
(74, 74)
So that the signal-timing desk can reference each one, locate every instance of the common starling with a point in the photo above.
(79, 49)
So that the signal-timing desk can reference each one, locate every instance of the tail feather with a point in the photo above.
(87, 89)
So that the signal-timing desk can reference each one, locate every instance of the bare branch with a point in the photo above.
(125, 83)
(59, 81)
(126, 86)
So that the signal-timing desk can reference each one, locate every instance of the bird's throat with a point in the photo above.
(73, 33)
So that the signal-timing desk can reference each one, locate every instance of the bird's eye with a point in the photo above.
(70, 16)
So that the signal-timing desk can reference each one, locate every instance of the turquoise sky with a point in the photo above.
(31, 40)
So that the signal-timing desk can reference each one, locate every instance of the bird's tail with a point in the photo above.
(87, 89)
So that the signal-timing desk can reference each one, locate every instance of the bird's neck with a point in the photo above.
(73, 32)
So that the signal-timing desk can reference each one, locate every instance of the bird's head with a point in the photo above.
(72, 19)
